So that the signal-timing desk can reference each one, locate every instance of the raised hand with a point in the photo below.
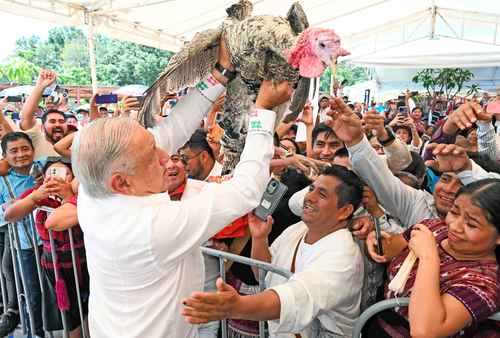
(423, 242)
(46, 78)
(271, 95)
(346, 124)
(258, 228)
(375, 121)
(448, 158)
(468, 114)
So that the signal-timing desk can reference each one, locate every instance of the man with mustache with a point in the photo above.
(53, 127)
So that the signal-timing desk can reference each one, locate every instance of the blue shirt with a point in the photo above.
(19, 184)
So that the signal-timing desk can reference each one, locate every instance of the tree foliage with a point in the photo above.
(447, 81)
(118, 62)
(346, 76)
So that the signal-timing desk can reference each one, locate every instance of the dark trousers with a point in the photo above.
(8, 271)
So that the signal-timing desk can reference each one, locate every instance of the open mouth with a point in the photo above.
(447, 199)
(308, 208)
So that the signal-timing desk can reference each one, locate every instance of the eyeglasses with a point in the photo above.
(184, 158)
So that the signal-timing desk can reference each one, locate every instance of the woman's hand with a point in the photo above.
(423, 242)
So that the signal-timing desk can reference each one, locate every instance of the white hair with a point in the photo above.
(101, 149)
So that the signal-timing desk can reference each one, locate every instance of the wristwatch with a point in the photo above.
(228, 74)
(391, 138)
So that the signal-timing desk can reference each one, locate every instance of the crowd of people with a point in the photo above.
(141, 203)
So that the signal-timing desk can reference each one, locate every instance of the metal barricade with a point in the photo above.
(22, 291)
(262, 267)
(85, 334)
(384, 305)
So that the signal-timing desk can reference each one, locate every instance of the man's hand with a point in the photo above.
(65, 189)
(303, 164)
(346, 124)
(49, 187)
(46, 78)
(371, 246)
(375, 121)
(362, 226)
(271, 96)
(259, 229)
(306, 116)
(203, 307)
(448, 157)
(466, 115)
(224, 60)
(130, 103)
(370, 202)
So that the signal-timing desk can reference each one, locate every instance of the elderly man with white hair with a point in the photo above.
(142, 248)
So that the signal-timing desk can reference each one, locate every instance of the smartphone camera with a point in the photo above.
(271, 187)
(106, 99)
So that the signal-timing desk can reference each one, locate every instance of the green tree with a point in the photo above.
(18, 70)
(447, 81)
(346, 76)
(117, 62)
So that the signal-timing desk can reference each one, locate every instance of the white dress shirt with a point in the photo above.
(143, 253)
(326, 285)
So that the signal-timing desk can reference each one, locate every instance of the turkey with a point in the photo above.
(261, 47)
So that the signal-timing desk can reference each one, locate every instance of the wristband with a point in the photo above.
(228, 74)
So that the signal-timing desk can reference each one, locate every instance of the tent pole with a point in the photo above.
(433, 21)
(90, 45)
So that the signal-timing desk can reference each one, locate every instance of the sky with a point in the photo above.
(18, 27)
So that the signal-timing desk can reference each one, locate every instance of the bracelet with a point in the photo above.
(228, 74)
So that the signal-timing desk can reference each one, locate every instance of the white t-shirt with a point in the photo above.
(326, 285)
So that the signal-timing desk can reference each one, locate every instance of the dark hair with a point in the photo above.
(56, 159)
(294, 128)
(342, 152)
(52, 111)
(417, 166)
(412, 179)
(417, 107)
(14, 136)
(484, 162)
(485, 194)
(295, 145)
(350, 191)
(198, 141)
(321, 128)
(396, 128)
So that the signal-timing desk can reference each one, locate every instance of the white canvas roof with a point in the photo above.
(376, 31)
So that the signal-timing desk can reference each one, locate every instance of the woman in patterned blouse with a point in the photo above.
(454, 285)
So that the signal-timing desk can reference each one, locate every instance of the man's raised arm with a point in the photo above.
(28, 116)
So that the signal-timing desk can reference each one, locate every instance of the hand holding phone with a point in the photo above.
(106, 99)
(275, 191)
(58, 172)
(378, 237)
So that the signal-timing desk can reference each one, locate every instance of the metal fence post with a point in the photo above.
(17, 245)
(77, 284)
(56, 277)
(263, 267)
(19, 291)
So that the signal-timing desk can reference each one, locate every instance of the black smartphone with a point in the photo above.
(106, 99)
(14, 99)
(403, 110)
(275, 191)
(378, 237)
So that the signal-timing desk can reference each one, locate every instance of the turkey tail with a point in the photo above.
(297, 18)
(300, 96)
(240, 10)
(150, 106)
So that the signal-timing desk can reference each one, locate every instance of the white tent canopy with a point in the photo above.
(370, 28)
(385, 33)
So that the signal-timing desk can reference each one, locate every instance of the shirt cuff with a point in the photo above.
(210, 88)
(469, 176)
(261, 121)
